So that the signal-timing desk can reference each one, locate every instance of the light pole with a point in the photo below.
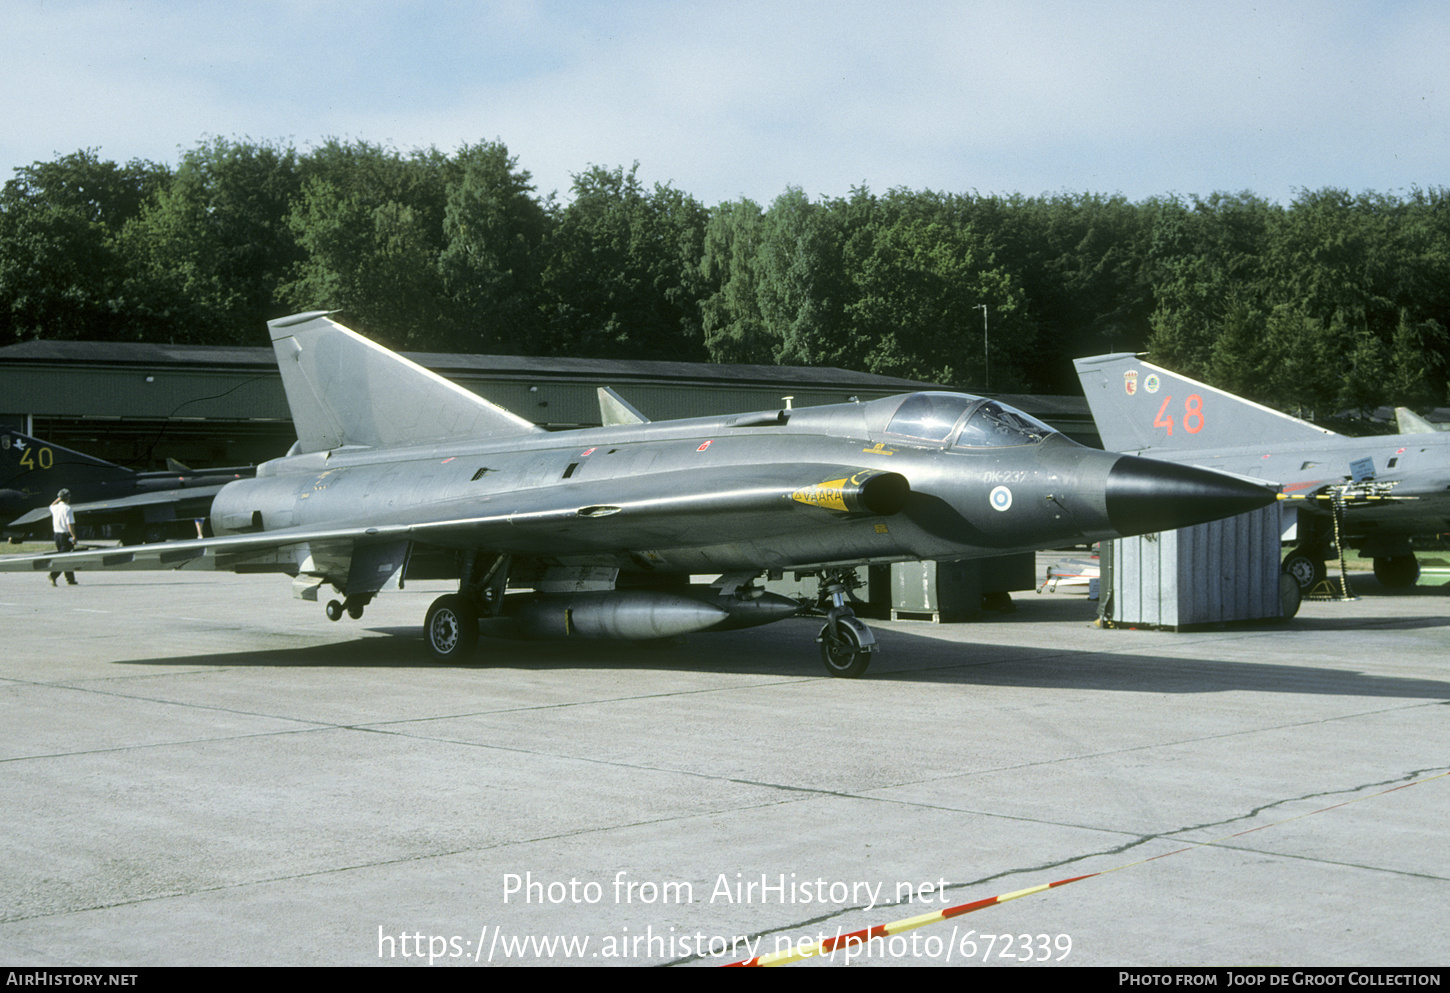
(986, 365)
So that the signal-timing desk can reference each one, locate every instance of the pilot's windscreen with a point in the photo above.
(996, 425)
(929, 416)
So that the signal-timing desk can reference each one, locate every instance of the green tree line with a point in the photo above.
(1335, 301)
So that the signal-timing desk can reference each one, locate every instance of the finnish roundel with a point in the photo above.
(1001, 498)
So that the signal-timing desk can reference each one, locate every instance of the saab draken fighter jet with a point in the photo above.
(398, 473)
(142, 506)
(1389, 487)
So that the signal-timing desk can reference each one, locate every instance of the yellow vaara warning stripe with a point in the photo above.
(830, 494)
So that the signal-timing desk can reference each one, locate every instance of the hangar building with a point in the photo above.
(138, 403)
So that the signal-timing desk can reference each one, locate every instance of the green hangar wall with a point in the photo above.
(140, 403)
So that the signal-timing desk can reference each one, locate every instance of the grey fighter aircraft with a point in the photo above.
(1389, 487)
(398, 473)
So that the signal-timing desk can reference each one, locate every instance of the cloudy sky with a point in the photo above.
(726, 99)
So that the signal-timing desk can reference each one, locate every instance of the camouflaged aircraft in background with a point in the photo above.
(134, 506)
(1391, 487)
(594, 533)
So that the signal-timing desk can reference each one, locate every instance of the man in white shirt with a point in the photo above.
(63, 523)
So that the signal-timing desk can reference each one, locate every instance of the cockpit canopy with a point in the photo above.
(964, 421)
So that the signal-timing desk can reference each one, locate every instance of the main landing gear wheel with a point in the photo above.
(450, 629)
(1397, 571)
(334, 610)
(843, 655)
(1306, 567)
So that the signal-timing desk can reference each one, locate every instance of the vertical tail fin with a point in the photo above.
(1142, 408)
(346, 390)
(31, 464)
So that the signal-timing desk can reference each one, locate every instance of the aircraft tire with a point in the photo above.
(1290, 596)
(844, 657)
(334, 610)
(450, 629)
(1306, 567)
(1397, 572)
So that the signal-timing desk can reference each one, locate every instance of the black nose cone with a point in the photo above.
(1145, 495)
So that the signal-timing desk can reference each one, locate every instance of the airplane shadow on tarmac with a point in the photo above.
(1091, 660)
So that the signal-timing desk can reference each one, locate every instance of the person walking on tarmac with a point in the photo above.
(63, 523)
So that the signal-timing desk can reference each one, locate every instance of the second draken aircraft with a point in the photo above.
(136, 506)
(398, 473)
(1387, 488)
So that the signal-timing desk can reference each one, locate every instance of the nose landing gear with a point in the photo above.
(846, 643)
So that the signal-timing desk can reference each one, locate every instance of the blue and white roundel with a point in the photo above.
(1001, 498)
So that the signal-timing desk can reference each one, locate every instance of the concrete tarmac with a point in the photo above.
(200, 770)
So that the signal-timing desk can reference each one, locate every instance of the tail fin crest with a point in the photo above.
(1140, 407)
(346, 390)
(47, 465)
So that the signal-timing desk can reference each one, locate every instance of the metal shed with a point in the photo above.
(1209, 574)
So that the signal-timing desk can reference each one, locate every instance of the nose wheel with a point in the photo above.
(846, 643)
(842, 653)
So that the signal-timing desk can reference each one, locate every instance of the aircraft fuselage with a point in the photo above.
(962, 503)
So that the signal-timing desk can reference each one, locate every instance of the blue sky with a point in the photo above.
(729, 99)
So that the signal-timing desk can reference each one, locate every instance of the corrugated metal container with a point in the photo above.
(947, 592)
(934, 591)
(1222, 571)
